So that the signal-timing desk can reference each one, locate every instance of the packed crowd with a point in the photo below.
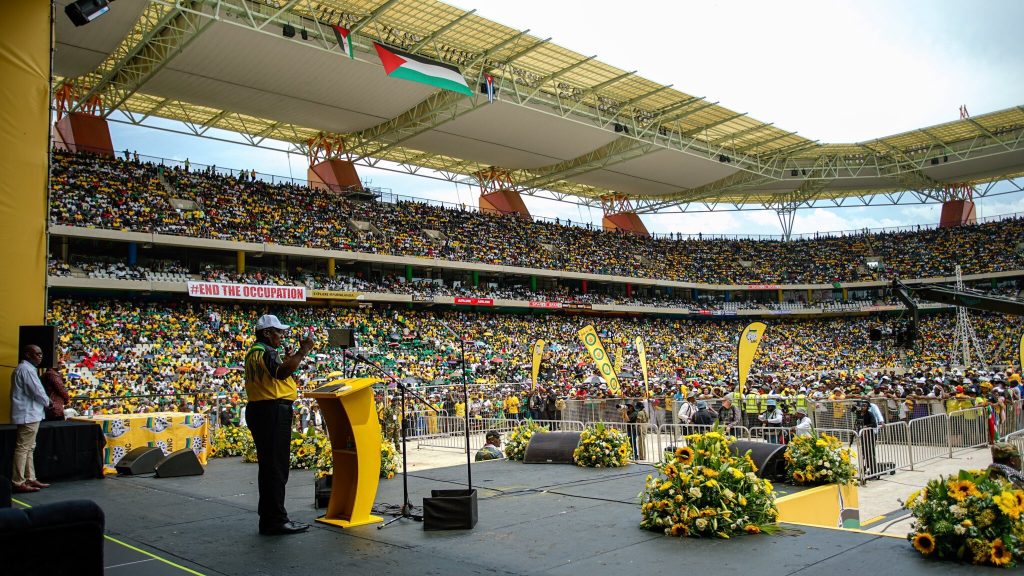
(91, 191)
(138, 355)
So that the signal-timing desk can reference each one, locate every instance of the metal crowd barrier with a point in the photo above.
(883, 450)
(451, 431)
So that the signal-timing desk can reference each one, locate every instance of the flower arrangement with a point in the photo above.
(602, 447)
(305, 448)
(515, 447)
(704, 490)
(390, 460)
(814, 459)
(231, 441)
(969, 517)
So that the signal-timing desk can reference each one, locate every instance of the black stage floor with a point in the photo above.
(534, 519)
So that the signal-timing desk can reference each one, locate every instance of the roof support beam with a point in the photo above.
(436, 33)
(372, 16)
(618, 150)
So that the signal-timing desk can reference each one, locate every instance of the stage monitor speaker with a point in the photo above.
(767, 457)
(450, 510)
(142, 460)
(43, 336)
(875, 335)
(551, 448)
(182, 462)
(340, 338)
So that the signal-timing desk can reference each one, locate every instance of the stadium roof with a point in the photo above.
(563, 124)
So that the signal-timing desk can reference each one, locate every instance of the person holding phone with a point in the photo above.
(271, 391)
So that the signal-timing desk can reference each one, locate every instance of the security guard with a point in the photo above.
(272, 391)
(752, 408)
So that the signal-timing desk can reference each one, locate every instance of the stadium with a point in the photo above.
(141, 278)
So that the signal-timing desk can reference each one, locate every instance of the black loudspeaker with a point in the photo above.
(875, 335)
(141, 460)
(288, 30)
(450, 510)
(340, 338)
(182, 462)
(766, 456)
(43, 336)
(551, 448)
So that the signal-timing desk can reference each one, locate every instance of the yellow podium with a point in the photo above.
(350, 414)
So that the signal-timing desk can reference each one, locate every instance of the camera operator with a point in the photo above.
(730, 414)
(868, 424)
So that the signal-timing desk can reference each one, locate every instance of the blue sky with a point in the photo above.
(832, 71)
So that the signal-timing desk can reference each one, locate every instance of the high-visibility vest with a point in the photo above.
(801, 401)
(737, 398)
(751, 405)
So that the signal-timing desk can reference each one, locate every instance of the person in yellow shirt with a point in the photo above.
(272, 391)
(512, 407)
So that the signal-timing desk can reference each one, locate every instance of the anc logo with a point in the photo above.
(590, 339)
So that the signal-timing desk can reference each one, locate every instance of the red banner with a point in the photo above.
(534, 304)
(762, 286)
(475, 301)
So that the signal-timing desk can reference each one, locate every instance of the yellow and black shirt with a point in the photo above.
(261, 382)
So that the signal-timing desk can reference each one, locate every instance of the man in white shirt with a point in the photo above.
(28, 402)
(803, 423)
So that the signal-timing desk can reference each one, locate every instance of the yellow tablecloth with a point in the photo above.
(169, 431)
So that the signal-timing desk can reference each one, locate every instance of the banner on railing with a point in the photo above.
(335, 295)
(475, 301)
(749, 340)
(247, 291)
(604, 366)
(535, 304)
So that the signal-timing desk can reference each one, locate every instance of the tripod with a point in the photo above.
(407, 508)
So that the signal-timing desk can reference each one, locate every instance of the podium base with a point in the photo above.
(371, 519)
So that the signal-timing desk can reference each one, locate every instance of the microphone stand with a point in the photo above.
(406, 510)
(465, 404)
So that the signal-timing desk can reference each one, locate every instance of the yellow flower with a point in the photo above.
(684, 455)
(665, 486)
(670, 470)
(710, 473)
(736, 473)
(924, 543)
(799, 477)
(962, 489)
(680, 530)
(910, 499)
(743, 500)
(751, 529)
(1000, 556)
(1007, 503)
(821, 443)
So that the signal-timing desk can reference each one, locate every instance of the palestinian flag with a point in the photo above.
(418, 69)
(344, 42)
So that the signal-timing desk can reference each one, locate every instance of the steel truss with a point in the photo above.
(168, 26)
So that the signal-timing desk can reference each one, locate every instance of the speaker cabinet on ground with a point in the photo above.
(551, 448)
(767, 457)
(182, 462)
(450, 510)
(43, 336)
(142, 460)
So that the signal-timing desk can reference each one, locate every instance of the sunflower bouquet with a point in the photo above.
(390, 460)
(306, 447)
(969, 517)
(520, 436)
(231, 441)
(819, 459)
(703, 489)
(602, 447)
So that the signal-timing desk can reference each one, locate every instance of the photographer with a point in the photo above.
(868, 425)
(730, 414)
(627, 411)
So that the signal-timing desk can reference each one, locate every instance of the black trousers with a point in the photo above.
(270, 422)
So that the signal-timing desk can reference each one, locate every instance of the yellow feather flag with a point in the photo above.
(538, 355)
(749, 340)
(642, 352)
(618, 359)
(604, 366)
(1022, 355)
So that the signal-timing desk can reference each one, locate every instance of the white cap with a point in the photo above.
(270, 321)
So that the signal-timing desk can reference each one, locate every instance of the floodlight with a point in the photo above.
(81, 12)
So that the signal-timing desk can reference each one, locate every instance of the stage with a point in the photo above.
(534, 519)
